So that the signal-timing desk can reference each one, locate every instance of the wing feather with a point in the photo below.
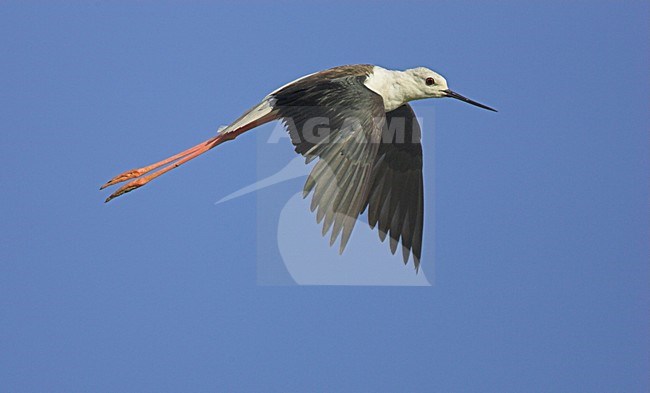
(396, 201)
(363, 163)
(340, 181)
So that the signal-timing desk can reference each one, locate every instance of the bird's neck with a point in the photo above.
(395, 87)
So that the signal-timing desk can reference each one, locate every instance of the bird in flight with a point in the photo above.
(356, 119)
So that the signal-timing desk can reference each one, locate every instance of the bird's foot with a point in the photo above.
(126, 188)
(133, 173)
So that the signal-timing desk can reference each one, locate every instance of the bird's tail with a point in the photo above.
(256, 116)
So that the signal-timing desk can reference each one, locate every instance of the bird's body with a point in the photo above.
(356, 120)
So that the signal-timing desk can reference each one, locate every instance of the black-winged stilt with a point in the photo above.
(357, 121)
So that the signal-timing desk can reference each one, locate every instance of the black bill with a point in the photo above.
(457, 96)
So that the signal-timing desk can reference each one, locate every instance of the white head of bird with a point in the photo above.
(400, 87)
(426, 83)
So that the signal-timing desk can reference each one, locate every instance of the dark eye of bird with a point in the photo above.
(430, 81)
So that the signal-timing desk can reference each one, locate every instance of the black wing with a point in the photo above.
(396, 200)
(346, 147)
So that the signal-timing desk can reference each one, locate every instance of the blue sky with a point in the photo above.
(539, 235)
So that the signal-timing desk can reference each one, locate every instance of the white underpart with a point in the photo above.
(258, 111)
(255, 113)
(395, 87)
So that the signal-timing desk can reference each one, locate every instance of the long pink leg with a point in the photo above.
(133, 173)
(182, 158)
